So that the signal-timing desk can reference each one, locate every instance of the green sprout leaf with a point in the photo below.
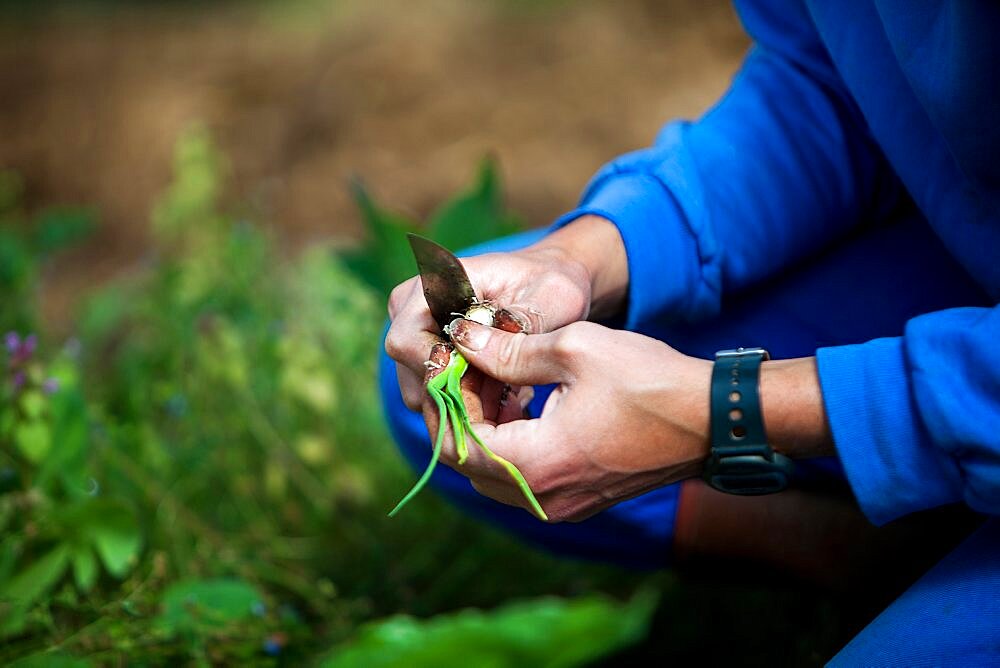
(445, 390)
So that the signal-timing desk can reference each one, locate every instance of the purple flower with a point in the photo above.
(50, 386)
(20, 350)
(19, 379)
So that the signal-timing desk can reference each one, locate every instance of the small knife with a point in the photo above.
(447, 287)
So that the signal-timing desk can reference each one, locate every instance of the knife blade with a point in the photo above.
(447, 287)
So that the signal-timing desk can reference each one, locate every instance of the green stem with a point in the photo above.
(514, 473)
(454, 388)
(453, 396)
(437, 395)
(446, 391)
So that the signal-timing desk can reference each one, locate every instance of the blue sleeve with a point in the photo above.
(780, 167)
(916, 419)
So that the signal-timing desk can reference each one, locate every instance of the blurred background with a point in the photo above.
(201, 209)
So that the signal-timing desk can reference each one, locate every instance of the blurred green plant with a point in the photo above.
(25, 245)
(470, 218)
(201, 473)
(544, 633)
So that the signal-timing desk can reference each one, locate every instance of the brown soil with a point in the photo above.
(408, 95)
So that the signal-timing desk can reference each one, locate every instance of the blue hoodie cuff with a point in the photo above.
(891, 463)
(660, 249)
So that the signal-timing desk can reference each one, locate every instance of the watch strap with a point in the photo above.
(741, 460)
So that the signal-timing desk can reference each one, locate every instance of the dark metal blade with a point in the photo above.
(447, 288)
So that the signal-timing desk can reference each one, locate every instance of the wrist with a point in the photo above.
(696, 415)
(792, 405)
(596, 244)
(682, 410)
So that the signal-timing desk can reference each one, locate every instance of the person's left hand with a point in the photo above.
(630, 414)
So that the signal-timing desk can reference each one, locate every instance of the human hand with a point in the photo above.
(545, 286)
(630, 414)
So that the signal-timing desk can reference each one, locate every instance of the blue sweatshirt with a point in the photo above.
(843, 112)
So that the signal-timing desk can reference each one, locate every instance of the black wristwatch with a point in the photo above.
(741, 461)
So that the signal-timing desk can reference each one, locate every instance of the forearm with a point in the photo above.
(792, 403)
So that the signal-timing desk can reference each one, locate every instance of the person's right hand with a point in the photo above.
(545, 286)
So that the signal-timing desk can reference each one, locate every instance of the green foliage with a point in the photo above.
(49, 660)
(25, 245)
(206, 606)
(472, 217)
(547, 633)
(201, 474)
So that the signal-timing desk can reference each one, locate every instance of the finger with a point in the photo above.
(411, 386)
(503, 491)
(412, 331)
(472, 385)
(492, 388)
(409, 345)
(400, 295)
(436, 363)
(532, 470)
(491, 393)
(514, 407)
(512, 322)
(524, 443)
(525, 396)
(414, 388)
(518, 359)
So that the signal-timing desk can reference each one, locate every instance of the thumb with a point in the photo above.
(518, 359)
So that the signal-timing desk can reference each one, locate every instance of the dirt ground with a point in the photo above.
(407, 95)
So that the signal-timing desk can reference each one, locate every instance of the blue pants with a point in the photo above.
(866, 287)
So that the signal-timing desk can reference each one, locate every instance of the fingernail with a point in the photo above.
(509, 321)
(468, 334)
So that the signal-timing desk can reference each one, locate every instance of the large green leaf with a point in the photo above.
(28, 585)
(472, 217)
(70, 425)
(476, 215)
(33, 403)
(193, 605)
(50, 660)
(84, 567)
(58, 227)
(116, 537)
(34, 440)
(18, 595)
(385, 258)
(546, 633)
(107, 525)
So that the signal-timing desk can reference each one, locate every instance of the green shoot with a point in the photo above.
(445, 390)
